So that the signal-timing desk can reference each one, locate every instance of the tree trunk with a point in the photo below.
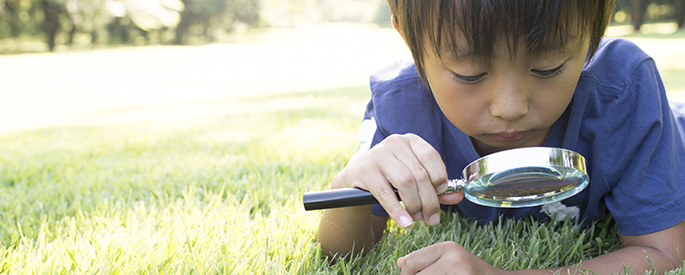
(51, 22)
(680, 12)
(638, 9)
(72, 33)
(208, 30)
(125, 30)
(94, 37)
(184, 24)
(14, 22)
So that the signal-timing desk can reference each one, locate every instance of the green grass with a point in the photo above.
(220, 192)
(217, 192)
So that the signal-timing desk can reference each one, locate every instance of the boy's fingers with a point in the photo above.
(424, 260)
(430, 174)
(400, 262)
(451, 198)
(398, 171)
(412, 166)
(386, 197)
(414, 178)
(430, 160)
(407, 186)
(419, 259)
(384, 193)
(430, 207)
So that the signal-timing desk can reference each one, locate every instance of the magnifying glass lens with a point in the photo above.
(526, 186)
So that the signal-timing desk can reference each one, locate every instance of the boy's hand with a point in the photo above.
(409, 164)
(444, 258)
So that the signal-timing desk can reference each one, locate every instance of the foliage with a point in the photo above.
(95, 22)
(215, 16)
(657, 10)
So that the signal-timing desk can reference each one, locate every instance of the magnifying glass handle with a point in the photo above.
(345, 197)
(335, 198)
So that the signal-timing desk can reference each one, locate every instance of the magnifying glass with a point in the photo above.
(513, 178)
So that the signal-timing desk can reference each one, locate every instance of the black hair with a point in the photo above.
(540, 25)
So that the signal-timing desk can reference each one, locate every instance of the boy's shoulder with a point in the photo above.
(401, 102)
(617, 48)
(400, 71)
(614, 63)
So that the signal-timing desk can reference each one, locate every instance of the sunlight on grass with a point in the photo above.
(200, 233)
(41, 90)
(187, 194)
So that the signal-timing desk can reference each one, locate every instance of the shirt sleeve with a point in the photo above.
(647, 161)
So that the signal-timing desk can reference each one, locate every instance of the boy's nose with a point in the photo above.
(510, 102)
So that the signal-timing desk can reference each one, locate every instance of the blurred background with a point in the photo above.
(50, 25)
(53, 25)
(60, 60)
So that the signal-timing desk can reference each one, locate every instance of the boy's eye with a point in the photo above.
(468, 79)
(549, 73)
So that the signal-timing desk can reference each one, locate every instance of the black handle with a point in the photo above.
(334, 198)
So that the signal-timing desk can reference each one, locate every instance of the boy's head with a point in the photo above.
(501, 71)
(538, 25)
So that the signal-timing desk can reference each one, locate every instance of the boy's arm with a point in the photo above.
(663, 249)
(342, 230)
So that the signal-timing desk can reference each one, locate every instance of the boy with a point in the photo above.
(490, 75)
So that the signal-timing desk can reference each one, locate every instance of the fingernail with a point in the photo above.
(418, 216)
(435, 219)
(442, 188)
(405, 221)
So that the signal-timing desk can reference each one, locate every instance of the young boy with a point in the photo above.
(492, 75)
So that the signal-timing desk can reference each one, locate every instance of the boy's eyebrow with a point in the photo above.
(462, 53)
(570, 45)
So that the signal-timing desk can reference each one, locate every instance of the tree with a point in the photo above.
(87, 16)
(52, 9)
(214, 15)
(12, 8)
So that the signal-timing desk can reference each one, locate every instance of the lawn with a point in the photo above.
(211, 183)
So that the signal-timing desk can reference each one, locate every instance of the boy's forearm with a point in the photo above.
(629, 260)
(342, 230)
(633, 258)
(658, 250)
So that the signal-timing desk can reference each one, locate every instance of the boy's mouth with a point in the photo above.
(508, 136)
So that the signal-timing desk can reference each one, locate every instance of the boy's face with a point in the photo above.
(508, 101)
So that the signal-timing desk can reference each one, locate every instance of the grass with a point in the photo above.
(215, 186)
(212, 193)
(220, 193)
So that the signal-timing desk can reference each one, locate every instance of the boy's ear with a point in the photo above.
(394, 23)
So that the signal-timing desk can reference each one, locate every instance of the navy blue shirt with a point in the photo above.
(619, 119)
